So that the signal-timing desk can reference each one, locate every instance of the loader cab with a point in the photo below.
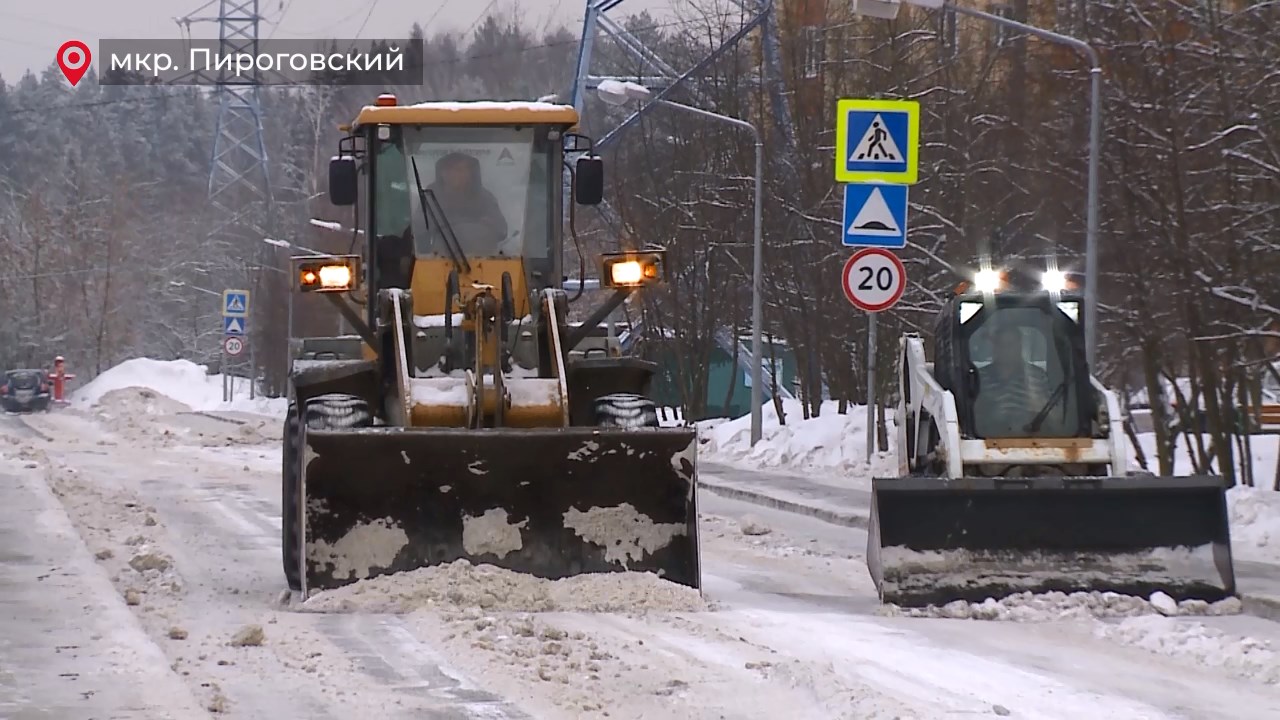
(1016, 365)
(491, 178)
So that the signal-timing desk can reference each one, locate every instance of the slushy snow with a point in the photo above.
(460, 585)
(1204, 646)
(181, 381)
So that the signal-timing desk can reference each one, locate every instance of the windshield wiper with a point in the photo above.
(1038, 420)
(432, 213)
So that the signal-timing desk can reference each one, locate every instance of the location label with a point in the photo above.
(74, 59)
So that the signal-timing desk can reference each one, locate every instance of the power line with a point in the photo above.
(278, 21)
(373, 5)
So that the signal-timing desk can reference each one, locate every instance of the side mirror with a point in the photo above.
(588, 186)
(342, 181)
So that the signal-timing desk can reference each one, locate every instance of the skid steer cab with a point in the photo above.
(1012, 468)
(468, 418)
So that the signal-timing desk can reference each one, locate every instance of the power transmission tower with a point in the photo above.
(239, 182)
(239, 190)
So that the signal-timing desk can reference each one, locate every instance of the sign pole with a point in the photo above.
(871, 386)
(253, 364)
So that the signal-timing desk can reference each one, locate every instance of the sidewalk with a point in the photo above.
(1258, 583)
(68, 645)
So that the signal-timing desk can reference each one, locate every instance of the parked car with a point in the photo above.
(24, 391)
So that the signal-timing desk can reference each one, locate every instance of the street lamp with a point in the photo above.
(617, 92)
(880, 8)
(288, 344)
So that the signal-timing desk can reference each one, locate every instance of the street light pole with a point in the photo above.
(757, 268)
(1095, 142)
(615, 92)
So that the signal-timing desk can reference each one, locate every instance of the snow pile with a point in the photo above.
(1255, 523)
(1047, 607)
(178, 381)
(1254, 511)
(1204, 646)
(829, 442)
(462, 585)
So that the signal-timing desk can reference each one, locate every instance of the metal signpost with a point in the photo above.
(877, 156)
(235, 327)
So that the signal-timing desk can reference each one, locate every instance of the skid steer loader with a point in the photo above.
(467, 419)
(1012, 469)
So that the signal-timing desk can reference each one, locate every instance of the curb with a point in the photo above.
(835, 517)
(1266, 608)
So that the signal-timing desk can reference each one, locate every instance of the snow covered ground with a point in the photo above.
(831, 444)
(179, 514)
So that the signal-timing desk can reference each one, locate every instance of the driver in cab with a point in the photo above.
(1011, 390)
(470, 209)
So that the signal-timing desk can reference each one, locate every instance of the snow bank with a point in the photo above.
(1255, 511)
(1242, 656)
(460, 584)
(830, 442)
(180, 381)
(1047, 607)
(1255, 523)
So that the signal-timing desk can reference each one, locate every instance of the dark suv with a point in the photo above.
(24, 391)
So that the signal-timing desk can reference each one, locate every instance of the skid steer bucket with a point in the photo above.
(935, 540)
(548, 502)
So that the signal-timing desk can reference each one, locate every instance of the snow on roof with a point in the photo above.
(493, 105)
(480, 112)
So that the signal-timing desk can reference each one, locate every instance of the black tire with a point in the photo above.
(333, 411)
(626, 410)
(336, 411)
(288, 497)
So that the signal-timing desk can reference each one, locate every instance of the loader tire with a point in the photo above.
(323, 412)
(626, 410)
(337, 411)
(288, 498)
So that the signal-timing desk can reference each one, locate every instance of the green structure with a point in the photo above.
(728, 382)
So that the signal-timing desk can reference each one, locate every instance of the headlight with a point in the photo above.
(338, 273)
(1054, 281)
(632, 269)
(988, 281)
(630, 272)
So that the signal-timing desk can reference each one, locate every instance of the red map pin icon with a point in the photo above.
(74, 58)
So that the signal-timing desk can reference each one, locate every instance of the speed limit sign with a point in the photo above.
(233, 346)
(874, 279)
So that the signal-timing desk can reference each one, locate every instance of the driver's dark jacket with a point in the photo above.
(473, 211)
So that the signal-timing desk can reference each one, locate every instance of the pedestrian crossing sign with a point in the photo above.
(235, 303)
(877, 141)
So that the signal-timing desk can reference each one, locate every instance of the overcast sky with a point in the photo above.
(32, 30)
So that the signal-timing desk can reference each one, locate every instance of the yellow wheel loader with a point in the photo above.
(1012, 469)
(467, 418)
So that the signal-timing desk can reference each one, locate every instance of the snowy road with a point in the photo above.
(183, 514)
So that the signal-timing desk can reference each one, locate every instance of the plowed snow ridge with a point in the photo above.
(1036, 607)
(463, 585)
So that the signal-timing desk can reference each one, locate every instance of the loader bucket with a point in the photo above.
(547, 502)
(931, 541)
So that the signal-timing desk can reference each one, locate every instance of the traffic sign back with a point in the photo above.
(235, 303)
(877, 141)
(874, 279)
(875, 215)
